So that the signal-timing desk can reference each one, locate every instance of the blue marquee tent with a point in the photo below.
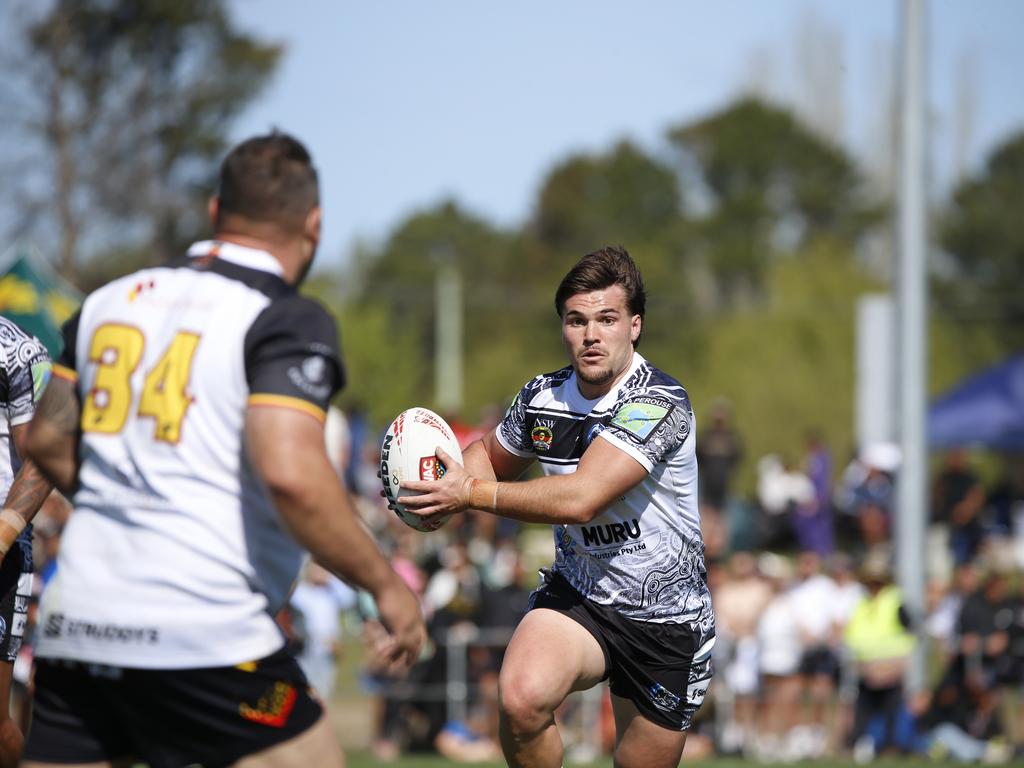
(986, 409)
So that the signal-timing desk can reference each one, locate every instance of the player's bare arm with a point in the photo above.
(287, 449)
(604, 474)
(27, 494)
(53, 434)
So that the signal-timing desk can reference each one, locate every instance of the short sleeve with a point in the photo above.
(649, 426)
(512, 432)
(292, 356)
(28, 371)
(66, 364)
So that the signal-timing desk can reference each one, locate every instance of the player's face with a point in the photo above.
(599, 331)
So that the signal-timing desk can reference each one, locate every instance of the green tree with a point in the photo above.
(982, 231)
(622, 196)
(769, 185)
(394, 287)
(132, 103)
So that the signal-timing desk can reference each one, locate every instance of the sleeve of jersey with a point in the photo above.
(292, 358)
(28, 372)
(511, 432)
(66, 366)
(648, 426)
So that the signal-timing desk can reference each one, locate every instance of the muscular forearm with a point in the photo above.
(28, 491)
(555, 500)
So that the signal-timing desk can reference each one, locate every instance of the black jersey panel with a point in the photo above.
(291, 349)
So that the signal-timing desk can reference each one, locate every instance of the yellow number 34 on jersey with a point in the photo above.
(116, 351)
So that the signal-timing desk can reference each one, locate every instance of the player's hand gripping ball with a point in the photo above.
(407, 453)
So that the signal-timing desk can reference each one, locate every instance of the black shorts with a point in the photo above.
(650, 664)
(819, 661)
(87, 713)
(15, 592)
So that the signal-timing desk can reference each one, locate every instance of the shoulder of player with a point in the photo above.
(301, 316)
(546, 381)
(14, 337)
(296, 307)
(651, 382)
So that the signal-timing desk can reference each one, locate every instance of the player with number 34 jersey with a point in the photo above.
(160, 461)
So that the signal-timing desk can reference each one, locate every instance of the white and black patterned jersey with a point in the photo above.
(643, 555)
(24, 371)
(175, 556)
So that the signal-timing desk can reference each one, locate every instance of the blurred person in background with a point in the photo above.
(186, 418)
(873, 497)
(947, 604)
(848, 594)
(782, 489)
(627, 598)
(880, 642)
(739, 600)
(779, 652)
(988, 626)
(24, 373)
(958, 500)
(813, 597)
(719, 453)
(320, 597)
(812, 520)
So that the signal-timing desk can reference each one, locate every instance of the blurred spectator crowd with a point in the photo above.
(813, 636)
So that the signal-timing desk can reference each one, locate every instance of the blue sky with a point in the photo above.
(405, 103)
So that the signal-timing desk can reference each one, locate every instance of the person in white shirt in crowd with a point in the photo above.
(779, 644)
(321, 597)
(813, 597)
(739, 602)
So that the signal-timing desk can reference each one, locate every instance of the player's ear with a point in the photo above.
(213, 209)
(311, 227)
(637, 325)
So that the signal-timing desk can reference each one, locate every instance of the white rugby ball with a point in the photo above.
(407, 453)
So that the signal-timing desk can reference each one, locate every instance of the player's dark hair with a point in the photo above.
(271, 179)
(609, 266)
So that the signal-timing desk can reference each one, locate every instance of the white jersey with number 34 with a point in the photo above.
(174, 556)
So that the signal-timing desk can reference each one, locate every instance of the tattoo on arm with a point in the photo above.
(28, 492)
(60, 407)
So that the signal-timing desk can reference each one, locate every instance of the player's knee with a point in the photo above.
(526, 707)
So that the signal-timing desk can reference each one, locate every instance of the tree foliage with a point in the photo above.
(769, 185)
(133, 102)
(983, 233)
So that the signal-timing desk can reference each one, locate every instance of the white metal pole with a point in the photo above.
(912, 495)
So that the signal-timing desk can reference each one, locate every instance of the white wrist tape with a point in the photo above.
(11, 526)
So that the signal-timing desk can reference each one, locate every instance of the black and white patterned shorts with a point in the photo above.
(659, 667)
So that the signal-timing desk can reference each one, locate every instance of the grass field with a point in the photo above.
(366, 761)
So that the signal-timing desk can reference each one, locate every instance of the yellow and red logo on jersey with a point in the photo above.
(139, 287)
(273, 708)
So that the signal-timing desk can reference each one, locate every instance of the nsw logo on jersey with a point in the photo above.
(640, 417)
(542, 434)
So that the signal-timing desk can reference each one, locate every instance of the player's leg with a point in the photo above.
(11, 738)
(639, 743)
(15, 592)
(316, 746)
(550, 655)
(118, 764)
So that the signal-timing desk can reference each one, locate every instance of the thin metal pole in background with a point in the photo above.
(912, 498)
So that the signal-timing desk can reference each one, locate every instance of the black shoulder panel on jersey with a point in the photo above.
(291, 350)
(267, 283)
(548, 380)
(69, 332)
(515, 427)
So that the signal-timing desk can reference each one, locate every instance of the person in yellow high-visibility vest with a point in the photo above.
(880, 642)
